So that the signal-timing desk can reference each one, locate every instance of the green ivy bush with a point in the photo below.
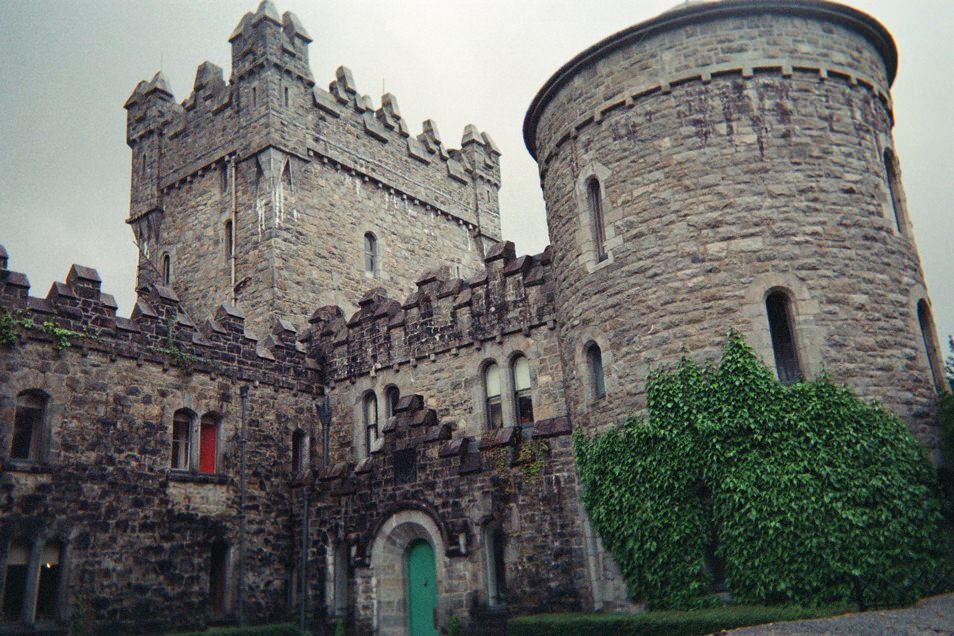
(661, 623)
(805, 494)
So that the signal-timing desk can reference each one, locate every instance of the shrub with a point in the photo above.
(804, 494)
(260, 630)
(660, 623)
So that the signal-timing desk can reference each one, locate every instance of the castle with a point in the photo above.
(342, 394)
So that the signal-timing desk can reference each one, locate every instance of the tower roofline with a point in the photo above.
(687, 14)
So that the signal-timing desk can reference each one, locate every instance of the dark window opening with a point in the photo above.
(494, 408)
(166, 270)
(929, 338)
(286, 97)
(342, 575)
(370, 253)
(218, 576)
(229, 238)
(595, 198)
(894, 191)
(779, 312)
(181, 438)
(299, 451)
(254, 97)
(48, 585)
(595, 357)
(208, 444)
(224, 178)
(522, 399)
(14, 586)
(27, 426)
(370, 421)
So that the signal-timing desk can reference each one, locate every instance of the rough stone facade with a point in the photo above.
(699, 170)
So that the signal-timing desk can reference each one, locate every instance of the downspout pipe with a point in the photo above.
(243, 391)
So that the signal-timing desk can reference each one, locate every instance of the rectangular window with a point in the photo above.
(218, 573)
(207, 443)
(26, 431)
(49, 582)
(14, 586)
(180, 443)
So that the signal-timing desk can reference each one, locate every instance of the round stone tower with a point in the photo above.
(731, 165)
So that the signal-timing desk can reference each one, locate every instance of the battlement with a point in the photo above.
(158, 331)
(271, 101)
(512, 294)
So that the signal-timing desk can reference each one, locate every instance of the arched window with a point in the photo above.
(778, 308)
(894, 191)
(218, 578)
(370, 415)
(929, 338)
(342, 575)
(494, 409)
(166, 269)
(208, 443)
(299, 451)
(229, 236)
(28, 425)
(594, 197)
(48, 583)
(224, 178)
(392, 395)
(522, 400)
(370, 254)
(594, 359)
(494, 564)
(15, 580)
(182, 439)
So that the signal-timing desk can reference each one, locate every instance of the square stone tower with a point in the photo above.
(279, 197)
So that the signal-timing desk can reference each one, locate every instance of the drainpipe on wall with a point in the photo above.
(323, 406)
(243, 391)
(234, 229)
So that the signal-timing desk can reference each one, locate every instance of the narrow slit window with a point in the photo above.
(28, 426)
(166, 270)
(299, 451)
(286, 97)
(392, 395)
(894, 191)
(342, 576)
(494, 409)
(778, 308)
(370, 413)
(229, 241)
(15, 579)
(522, 399)
(48, 583)
(218, 577)
(254, 97)
(595, 358)
(594, 196)
(929, 339)
(370, 254)
(181, 439)
(208, 444)
(224, 178)
(494, 564)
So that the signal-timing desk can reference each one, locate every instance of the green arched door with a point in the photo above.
(421, 590)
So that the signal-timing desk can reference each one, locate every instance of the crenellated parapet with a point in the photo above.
(77, 313)
(511, 295)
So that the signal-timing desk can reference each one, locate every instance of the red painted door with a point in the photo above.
(207, 448)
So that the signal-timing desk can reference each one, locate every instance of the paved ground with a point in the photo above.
(930, 617)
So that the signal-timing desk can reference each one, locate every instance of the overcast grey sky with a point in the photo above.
(67, 67)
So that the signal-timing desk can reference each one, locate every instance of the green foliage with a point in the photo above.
(11, 322)
(179, 358)
(339, 628)
(79, 617)
(661, 623)
(806, 493)
(454, 628)
(945, 419)
(285, 629)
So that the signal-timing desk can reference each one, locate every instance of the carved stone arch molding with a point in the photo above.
(809, 337)
(392, 537)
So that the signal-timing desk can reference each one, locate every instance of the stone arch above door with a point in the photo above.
(388, 549)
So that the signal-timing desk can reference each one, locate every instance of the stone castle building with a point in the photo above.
(342, 393)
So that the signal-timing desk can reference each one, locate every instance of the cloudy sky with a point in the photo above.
(66, 67)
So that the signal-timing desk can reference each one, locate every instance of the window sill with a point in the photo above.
(196, 478)
(25, 466)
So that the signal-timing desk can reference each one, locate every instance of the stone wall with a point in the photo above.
(137, 535)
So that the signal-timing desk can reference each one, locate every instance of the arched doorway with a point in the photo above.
(421, 586)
